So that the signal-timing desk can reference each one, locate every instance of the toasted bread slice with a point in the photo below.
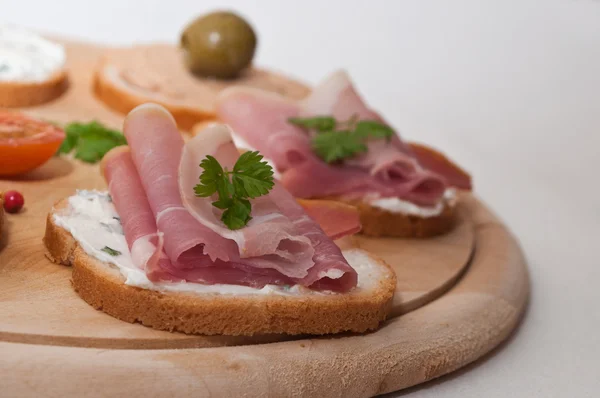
(129, 77)
(102, 286)
(34, 70)
(23, 94)
(379, 222)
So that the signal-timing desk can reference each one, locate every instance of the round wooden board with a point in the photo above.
(476, 315)
(46, 325)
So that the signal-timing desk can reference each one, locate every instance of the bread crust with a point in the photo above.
(23, 94)
(102, 286)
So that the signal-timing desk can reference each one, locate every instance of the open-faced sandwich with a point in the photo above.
(215, 52)
(195, 237)
(32, 69)
(332, 145)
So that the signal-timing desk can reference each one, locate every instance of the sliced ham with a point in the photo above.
(337, 219)
(270, 235)
(387, 169)
(281, 245)
(261, 119)
(331, 271)
(436, 161)
(156, 148)
(144, 241)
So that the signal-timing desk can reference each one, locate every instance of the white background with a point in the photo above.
(509, 88)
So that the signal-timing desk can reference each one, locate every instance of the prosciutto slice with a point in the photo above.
(386, 170)
(269, 235)
(281, 245)
(331, 270)
(337, 219)
(144, 241)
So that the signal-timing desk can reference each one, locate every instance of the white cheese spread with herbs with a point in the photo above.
(26, 57)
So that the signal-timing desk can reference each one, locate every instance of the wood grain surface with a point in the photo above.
(54, 343)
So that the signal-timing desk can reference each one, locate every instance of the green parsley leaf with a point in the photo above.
(319, 123)
(337, 145)
(223, 203)
(212, 179)
(340, 140)
(111, 251)
(68, 144)
(238, 214)
(373, 129)
(90, 141)
(251, 177)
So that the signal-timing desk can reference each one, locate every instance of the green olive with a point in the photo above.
(220, 44)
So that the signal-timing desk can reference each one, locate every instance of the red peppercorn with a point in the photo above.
(13, 201)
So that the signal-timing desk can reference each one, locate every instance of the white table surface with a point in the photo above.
(509, 88)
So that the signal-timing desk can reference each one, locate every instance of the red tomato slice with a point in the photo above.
(26, 143)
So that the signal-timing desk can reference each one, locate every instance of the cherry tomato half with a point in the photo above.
(26, 143)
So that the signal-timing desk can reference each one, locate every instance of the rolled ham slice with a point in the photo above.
(298, 251)
(144, 241)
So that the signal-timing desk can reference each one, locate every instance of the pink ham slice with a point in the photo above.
(270, 238)
(331, 270)
(279, 223)
(387, 170)
(145, 242)
(199, 254)
(337, 219)
(137, 219)
(337, 96)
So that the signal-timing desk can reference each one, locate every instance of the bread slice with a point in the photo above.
(102, 286)
(24, 94)
(379, 222)
(129, 77)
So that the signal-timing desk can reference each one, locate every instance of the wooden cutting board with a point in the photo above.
(83, 351)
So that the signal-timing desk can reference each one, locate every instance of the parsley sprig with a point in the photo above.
(337, 140)
(250, 178)
(90, 141)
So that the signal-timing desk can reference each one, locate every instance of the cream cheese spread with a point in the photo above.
(396, 205)
(26, 57)
(92, 220)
